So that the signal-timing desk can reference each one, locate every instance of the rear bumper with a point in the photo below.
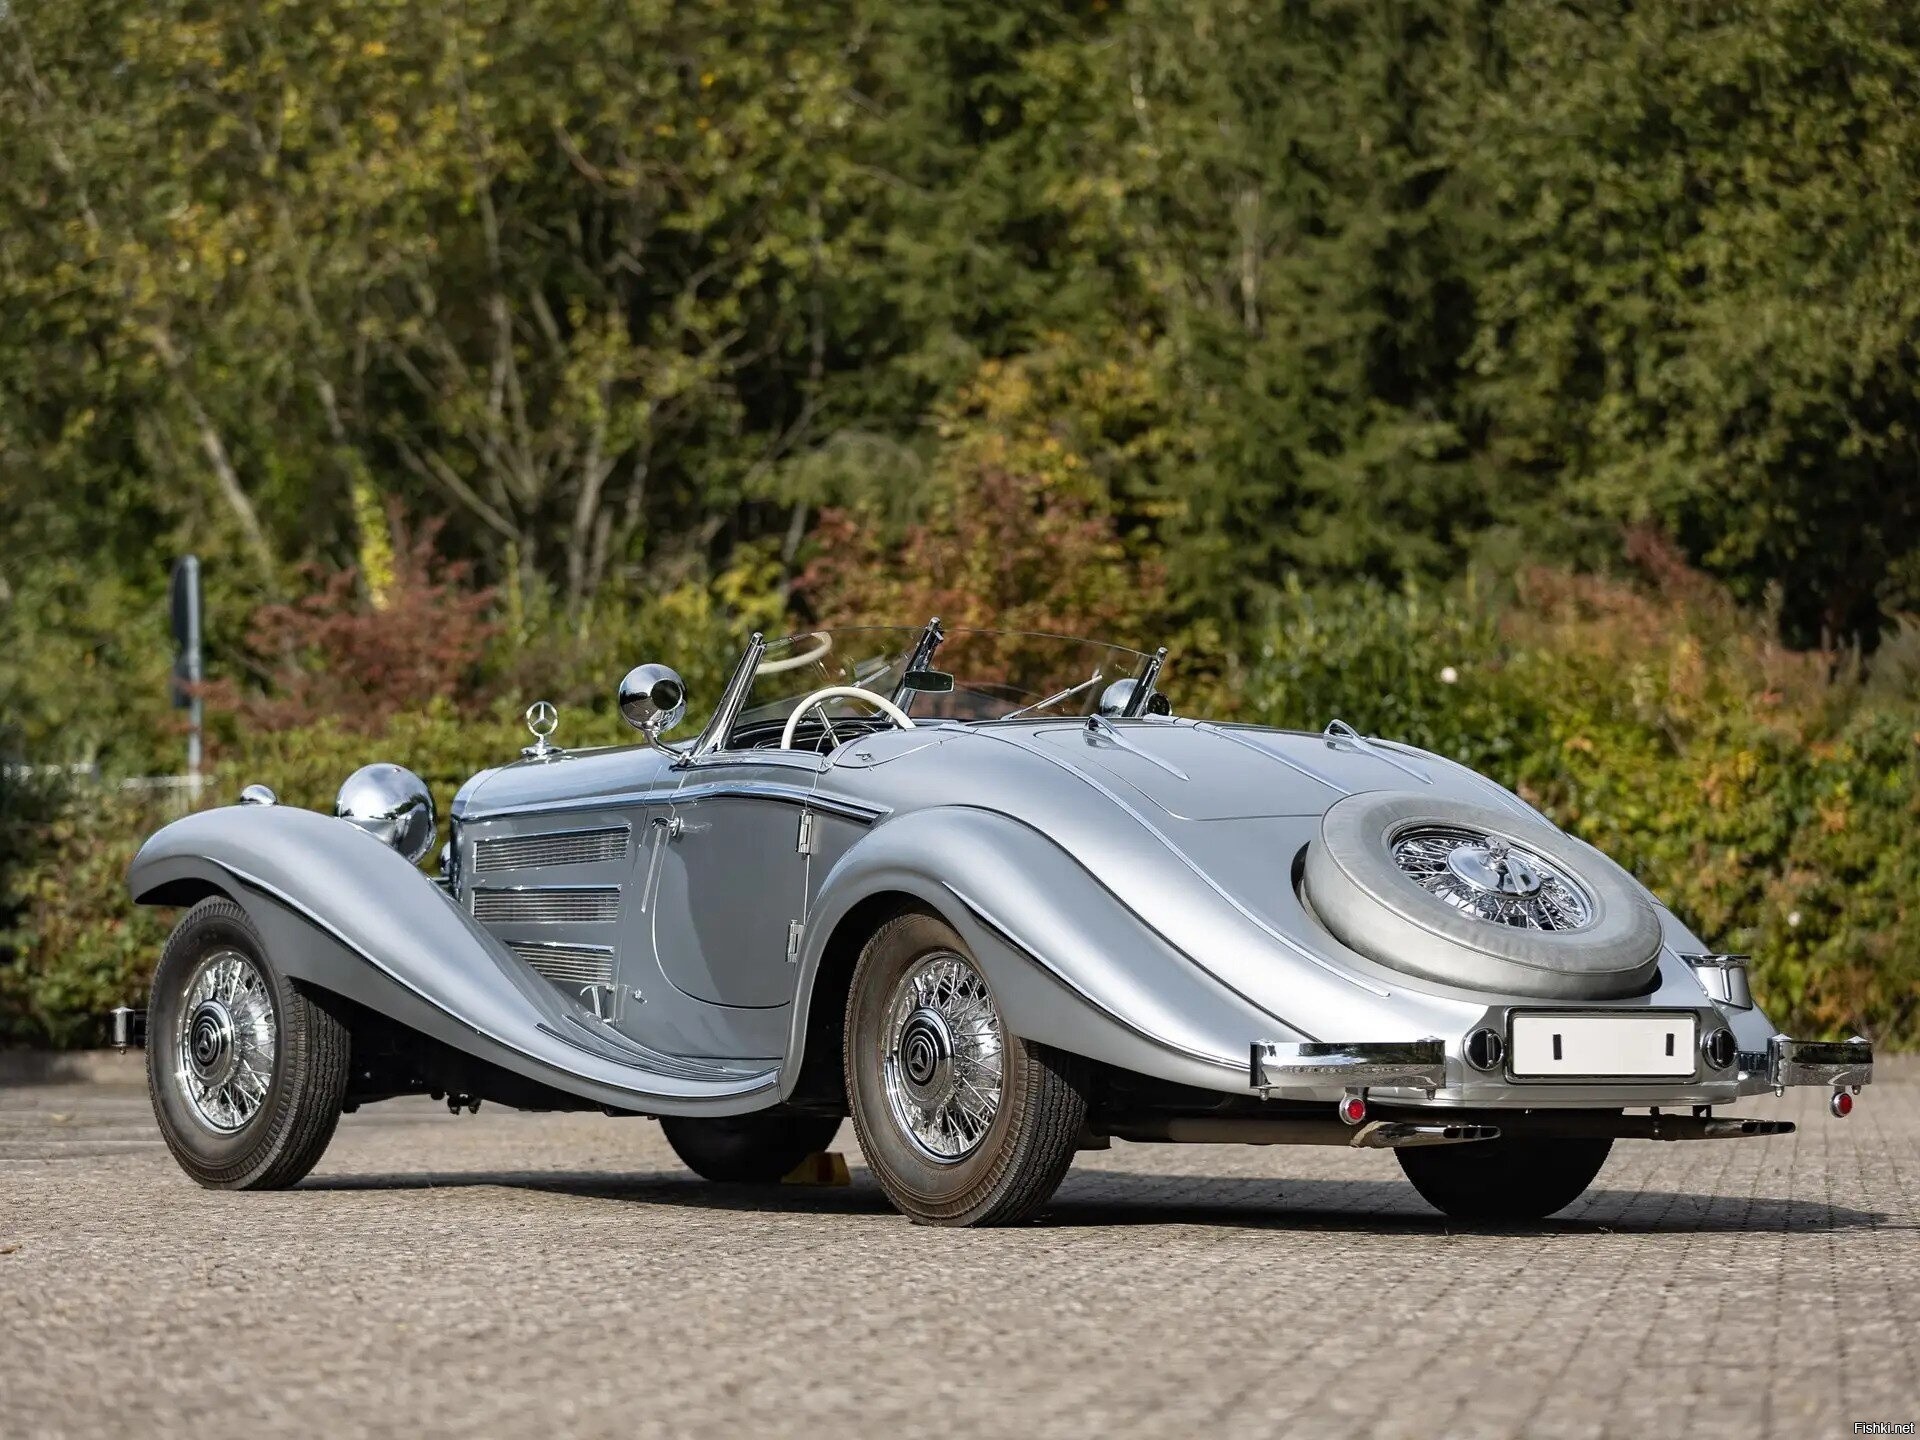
(1832, 1063)
(1426, 1069)
(1355, 1065)
(128, 1026)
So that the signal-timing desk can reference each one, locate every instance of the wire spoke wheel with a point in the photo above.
(960, 1119)
(945, 1057)
(229, 1039)
(1493, 878)
(247, 1071)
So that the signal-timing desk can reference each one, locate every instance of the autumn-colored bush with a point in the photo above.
(362, 653)
(1015, 532)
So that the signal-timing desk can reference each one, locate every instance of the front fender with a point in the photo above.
(341, 911)
(1071, 965)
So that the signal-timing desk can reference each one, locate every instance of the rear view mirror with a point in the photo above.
(929, 682)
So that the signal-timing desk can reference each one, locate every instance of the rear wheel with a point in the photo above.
(747, 1149)
(961, 1121)
(247, 1074)
(1509, 1179)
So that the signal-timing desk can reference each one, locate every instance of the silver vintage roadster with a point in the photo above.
(985, 894)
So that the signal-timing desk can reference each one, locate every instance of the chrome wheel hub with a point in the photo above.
(944, 1058)
(227, 1043)
(1491, 877)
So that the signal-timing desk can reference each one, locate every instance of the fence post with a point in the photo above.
(188, 668)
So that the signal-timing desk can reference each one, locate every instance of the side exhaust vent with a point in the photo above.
(570, 966)
(558, 905)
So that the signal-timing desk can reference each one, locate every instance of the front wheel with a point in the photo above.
(247, 1074)
(1505, 1180)
(961, 1121)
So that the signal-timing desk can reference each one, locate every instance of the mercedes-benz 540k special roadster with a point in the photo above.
(985, 894)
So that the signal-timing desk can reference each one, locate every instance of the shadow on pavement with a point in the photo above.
(1110, 1198)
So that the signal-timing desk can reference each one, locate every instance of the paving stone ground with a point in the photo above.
(522, 1275)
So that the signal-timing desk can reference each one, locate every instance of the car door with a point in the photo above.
(729, 887)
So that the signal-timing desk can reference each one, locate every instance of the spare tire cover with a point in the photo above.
(1479, 898)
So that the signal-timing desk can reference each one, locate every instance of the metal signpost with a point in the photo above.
(188, 670)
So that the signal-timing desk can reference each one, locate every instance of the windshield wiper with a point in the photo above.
(1066, 694)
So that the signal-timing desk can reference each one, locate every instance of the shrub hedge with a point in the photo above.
(1767, 795)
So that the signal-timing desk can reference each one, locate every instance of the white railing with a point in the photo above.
(184, 790)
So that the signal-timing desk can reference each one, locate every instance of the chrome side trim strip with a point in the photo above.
(781, 794)
(616, 800)
(1187, 860)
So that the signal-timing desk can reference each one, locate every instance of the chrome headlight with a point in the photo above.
(393, 805)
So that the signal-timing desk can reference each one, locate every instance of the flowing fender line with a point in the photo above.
(1006, 933)
(1187, 860)
(768, 1081)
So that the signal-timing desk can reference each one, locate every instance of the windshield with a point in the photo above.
(972, 675)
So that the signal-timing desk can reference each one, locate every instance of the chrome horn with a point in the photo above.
(653, 699)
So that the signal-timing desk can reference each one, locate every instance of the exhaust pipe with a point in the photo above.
(1372, 1135)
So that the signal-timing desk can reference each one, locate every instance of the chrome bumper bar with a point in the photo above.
(1412, 1064)
(1832, 1063)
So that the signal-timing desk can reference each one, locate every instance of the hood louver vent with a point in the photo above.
(572, 905)
(565, 847)
(569, 965)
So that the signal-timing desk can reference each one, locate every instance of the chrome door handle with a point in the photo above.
(672, 824)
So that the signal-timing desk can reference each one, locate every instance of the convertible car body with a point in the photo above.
(986, 895)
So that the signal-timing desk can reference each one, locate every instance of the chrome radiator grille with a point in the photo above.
(568, 905)
(568, 964)
(562, 847)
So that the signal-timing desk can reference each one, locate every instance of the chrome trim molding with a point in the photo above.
(1101, 728)
(1225, 732)
(553, 847)
(1339, 733)
(1306, 1064)
(782, 794)
(731, 699)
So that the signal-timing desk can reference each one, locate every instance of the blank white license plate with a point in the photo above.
(1603, 1045)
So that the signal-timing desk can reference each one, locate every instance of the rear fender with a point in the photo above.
(342, 912)
(1071, 966)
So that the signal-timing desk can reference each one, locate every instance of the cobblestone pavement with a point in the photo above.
(507, 1274)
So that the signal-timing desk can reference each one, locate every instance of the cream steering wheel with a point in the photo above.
(848, 692)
